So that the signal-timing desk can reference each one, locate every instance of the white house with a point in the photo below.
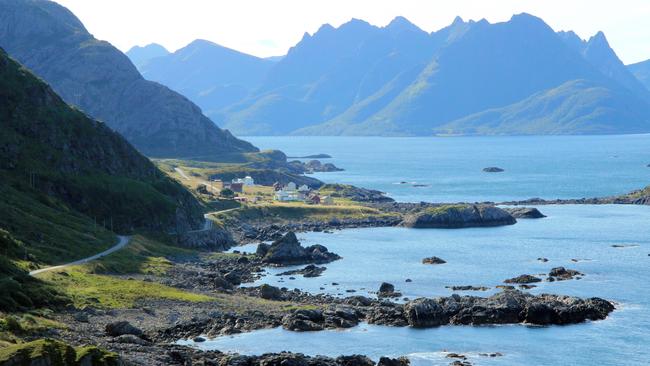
(283, 195)
(290, 187)
(247, 181)
(303, 188)
(289, 193)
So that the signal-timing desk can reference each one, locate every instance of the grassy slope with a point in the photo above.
(48, 147)
(19, 291)
(93, 284)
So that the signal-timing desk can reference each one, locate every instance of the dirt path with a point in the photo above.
(124, 240)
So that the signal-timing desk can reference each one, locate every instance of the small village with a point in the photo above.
(241, 188)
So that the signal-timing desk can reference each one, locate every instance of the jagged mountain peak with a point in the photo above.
(401, 24)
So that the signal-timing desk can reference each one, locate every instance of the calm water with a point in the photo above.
(548, 167)
(540, 166)
(487, 256)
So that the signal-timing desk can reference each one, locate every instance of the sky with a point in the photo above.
(270, 27)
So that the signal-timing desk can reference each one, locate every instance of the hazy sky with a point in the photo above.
(270, 27)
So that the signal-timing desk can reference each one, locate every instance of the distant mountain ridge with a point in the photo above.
(99, 79)
(141, 55)
(359, 79)
(641, 71)
(211, 75)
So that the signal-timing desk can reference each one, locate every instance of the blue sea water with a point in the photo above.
(535, 166)
(546, 167)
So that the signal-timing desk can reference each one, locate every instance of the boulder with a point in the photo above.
(304, 320)
(269, 292)
(401, 361)
(354, 360)
(123, 327)
(561, 274)
(433, 260)
(525, 278)
(287, 250)
(423, 312)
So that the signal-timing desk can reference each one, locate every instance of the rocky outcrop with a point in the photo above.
(212, 239)
(287, 250)
(459, 216)
(507, 307)
(314, 166)
(562, 274)
(354, 193)
(523, 279)
(525, 213)
(493, 169)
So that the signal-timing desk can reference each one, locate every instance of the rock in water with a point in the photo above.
(433, 260)
(561, 274)
(287, 250)
(385, 361)
(459, 216)
(493, 169)
(387, 290)
(525, 278)
(507, 307)
(525, 212)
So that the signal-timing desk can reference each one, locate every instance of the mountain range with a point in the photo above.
(514, 77)
(141, 55)
(99, 79)
(642, 72)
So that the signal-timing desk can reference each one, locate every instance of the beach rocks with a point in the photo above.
(467, 288)
(387, 290)
(433, 260)
(525, 278)
(119, 328)
(287, 250)
(493, 169)
(269, 292)
(525, 213)
(304, 320)
(401, 361)
(309, 271)
(459, 216)
(562, 274)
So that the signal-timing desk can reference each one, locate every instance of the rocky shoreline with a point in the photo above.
(147, 334)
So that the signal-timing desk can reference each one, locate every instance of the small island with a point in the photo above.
(493, 169)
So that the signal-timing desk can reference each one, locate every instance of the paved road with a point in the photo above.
(124, 240)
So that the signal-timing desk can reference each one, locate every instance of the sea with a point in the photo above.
(610, 244)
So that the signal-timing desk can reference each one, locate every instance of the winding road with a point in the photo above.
(124, 240)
